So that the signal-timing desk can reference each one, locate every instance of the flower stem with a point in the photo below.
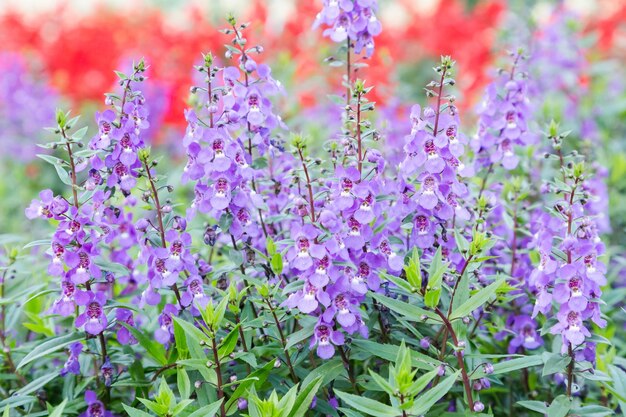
(483, 184)
(294, 377)
(72, 168)
(308, 184)
(349, 368)
(437, 111)
(459, 357)
(514, 243)
(570, 370)
(218, 371)
(358, 134)
(348, 72)
(458, 281)
(159, 212)
(404, 414)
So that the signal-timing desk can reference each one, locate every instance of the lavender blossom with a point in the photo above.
(352, 20)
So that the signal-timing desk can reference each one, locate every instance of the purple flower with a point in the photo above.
(73, 365)
(124, 336)
(326, 339)
(102, 140)
(93, 317)
(107, 372)
(194, 295)
(305, 250)
(47, 206)
(66, 304)
(165, 333)
(350, 19)
(526, 334)
(242, 404)
(503, 115)
(95, 408)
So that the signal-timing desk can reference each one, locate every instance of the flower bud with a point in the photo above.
(478, 406)
(488, 367)
(242, 403)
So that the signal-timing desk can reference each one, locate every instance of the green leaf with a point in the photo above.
(14, 401)
(430, 397)
(181, 341)
(367, 405)
(154, 348)
(49, 347)
(208, 410)
(413, 270)
(477, 300)
(184, 385)
(422, 382)
(58, 410)
(401, 283)
(619, 385)
(435, 275)
(159, 409)
(554, 362)
(80, 133)
(349, 412)
(510, 366)
(229, 343)
(235, 256)
(36, 384)
(297, 337)
(538, 406)
(329, 371)
(390, 352)
(277, 263)
(52, 160)
(133, 412)
(42, 242)
(260, 375)
(461, 243)
(592, 411)
(560, 406)
(180, 407)
(305, 397)
(409, 311)
(383, 383)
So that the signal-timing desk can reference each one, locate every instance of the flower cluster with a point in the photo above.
(574, 278)
(220, 150)
(351, 20)
(432, 191)
(26, 107)
(503, 118)
(441, 243)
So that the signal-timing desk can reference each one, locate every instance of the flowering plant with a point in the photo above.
(277, 275)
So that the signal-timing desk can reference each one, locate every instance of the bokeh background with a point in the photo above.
(62, 54)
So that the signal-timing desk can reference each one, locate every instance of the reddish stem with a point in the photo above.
(438, 112)
(157, 203)
(459, 357)
(308, 185)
